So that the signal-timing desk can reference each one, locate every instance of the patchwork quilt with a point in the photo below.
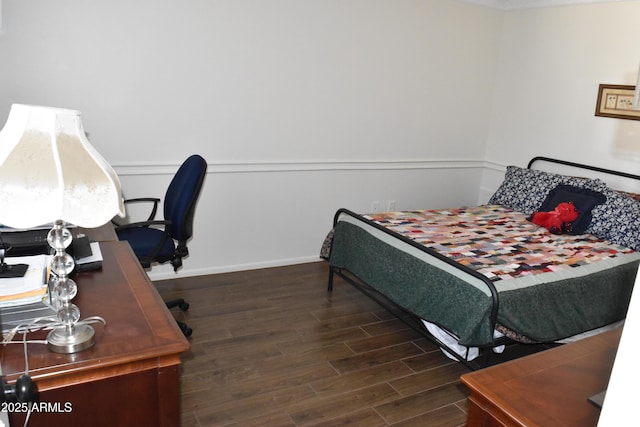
(498, 242)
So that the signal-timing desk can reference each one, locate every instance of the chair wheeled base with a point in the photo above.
(184, 306)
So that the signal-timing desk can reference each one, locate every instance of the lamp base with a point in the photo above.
(60, 341)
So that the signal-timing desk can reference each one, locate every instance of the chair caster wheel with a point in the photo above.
(184, 306)
(186, 330)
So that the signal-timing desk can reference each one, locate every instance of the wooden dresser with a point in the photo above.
(546, 389)
(130, 377)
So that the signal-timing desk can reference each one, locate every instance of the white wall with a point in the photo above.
(300, 107)
(551, 63)
(267, 81)
(281, 214)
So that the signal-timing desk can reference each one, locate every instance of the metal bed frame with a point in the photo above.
(487, 356)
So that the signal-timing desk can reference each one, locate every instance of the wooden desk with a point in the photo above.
(545, 389)
(105, 233)
(130, 377)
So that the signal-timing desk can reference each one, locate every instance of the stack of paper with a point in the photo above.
(30, 288)
(26, 298)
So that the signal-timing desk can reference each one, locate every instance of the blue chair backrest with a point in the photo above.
(182, 195)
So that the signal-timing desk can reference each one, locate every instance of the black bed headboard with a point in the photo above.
(581, 166)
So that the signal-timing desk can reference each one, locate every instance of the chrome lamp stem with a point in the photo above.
(71, 336)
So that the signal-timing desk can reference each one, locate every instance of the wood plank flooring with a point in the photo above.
(273, 347)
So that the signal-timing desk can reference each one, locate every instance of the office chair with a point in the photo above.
(160, 241)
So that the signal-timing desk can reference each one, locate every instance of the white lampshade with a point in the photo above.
(49, 171)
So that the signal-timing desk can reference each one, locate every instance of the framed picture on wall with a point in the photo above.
(616, 101)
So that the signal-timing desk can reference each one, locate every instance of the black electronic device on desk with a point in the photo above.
(26, 242)
(34, 242)
(86, 253)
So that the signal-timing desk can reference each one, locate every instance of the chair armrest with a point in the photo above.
(152, 215)
(153, 200)
(142, 224)
(142, 199)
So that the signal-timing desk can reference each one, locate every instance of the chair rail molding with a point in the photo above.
(133, 169)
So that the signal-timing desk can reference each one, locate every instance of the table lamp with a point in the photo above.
(50, 174)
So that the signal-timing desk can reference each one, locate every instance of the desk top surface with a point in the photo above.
(550, 387)
(140, 331)
(104, 233)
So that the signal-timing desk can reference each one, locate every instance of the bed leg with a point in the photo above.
(330, 282)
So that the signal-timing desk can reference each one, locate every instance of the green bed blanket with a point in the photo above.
(439, 293)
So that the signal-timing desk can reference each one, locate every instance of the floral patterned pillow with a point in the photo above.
(524, 190)
(617, 220)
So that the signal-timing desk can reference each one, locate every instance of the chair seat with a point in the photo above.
(144, 240)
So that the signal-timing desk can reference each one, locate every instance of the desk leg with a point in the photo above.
(169, 395)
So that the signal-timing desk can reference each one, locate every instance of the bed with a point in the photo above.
(473, 279)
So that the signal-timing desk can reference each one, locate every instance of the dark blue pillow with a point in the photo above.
(583, 199)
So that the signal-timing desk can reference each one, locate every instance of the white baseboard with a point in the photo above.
(186, 272)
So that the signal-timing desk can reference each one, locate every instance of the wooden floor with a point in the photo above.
(272, 347)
